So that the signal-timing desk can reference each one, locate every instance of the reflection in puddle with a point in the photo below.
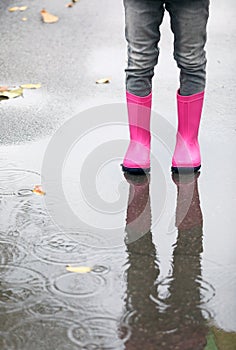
(58, 248)
(50, 333)
(105, 333)
(11, 252)
(20, 287)
(22, 212)
(123, 302)
(47, 307)
(79, 285)
(168, 312)
(18, 181)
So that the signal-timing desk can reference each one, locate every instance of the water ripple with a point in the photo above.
(59, 249)
(11, 252)
(104, 333)
(21, 209)
(48, 307)
(197, 294)
(19, 288)
(9, 342)
(89, 239)
(78, 285)
(18, 181)
(41, 334)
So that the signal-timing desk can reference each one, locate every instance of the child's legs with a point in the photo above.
(142, 21)
(188, 23)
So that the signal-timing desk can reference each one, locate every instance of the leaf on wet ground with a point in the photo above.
(12, 92)
(38, 190)
(23, 8)
(13, 9)
(48, 17)
(17, 8)
(6, 93)
(79, 269)
(24, 19)
(103, 81)
(31, 86)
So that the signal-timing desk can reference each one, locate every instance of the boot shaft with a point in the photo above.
(189, 115)
(139, 113)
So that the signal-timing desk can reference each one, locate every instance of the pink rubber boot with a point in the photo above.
(137, 157)
(187, 156)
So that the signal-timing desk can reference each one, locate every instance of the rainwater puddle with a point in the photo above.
(11, 252)
(105, 333)
(18, 182)
(41, 334)
(79, 285)
(144, 290)
(156, 275)
(20, 287)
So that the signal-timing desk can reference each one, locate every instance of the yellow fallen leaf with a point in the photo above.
(79, 269)
(24, 19)
(103, 81)
(38, 190)
(23, 8)
(30, 86)
(13, 9)
(48, 17)
(17, 8)
(12, 93)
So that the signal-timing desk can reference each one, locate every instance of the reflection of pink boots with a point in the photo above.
(187, 153)
(137, 158)
(138, 219)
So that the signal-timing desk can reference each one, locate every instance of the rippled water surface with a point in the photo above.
(145, 289)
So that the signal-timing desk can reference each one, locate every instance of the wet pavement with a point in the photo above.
(160, 249)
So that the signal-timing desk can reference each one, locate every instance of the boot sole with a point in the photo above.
(185, 170)
(135, 171)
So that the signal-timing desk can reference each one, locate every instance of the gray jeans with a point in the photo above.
(188, 23)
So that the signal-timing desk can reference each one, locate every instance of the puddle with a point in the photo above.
(11, 252)
(145, 289)
(43, 334)
(20, 287)
(60, 249)
(18, 182)
(105, 333)
(79, 285)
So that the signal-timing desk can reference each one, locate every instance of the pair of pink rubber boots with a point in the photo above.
(186, 156)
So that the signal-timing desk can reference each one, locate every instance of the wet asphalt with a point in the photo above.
(161, 249)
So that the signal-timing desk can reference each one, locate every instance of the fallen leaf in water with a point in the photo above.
(48, 17)
(13, 9)
(79, 269)
(31, 86)
(103, 81)
(11, 93)
(70, 4)
(24, 19)
(38, 190)
(17, 8)
(23, 8)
